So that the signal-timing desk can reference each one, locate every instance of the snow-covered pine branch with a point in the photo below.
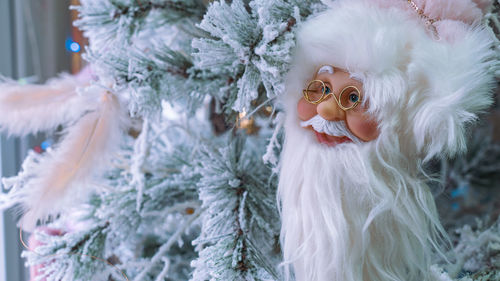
(240, 224)
(250, 45)
(160, 73)
(108, 23)
(240, 51)
(169, 190)
(69, 256)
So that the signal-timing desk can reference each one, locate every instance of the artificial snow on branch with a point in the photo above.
(250, 45)
(236, 241)
(105, 21)
(125, 235)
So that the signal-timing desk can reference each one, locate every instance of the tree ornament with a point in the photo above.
(376, 90)
(247, 124)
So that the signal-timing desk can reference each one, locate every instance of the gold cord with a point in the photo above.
(420, 12)
(429, 22)
(80, 254)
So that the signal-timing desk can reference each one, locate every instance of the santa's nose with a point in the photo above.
(330, 110)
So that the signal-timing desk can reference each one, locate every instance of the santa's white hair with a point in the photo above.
(359, 212)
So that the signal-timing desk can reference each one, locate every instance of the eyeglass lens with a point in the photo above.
(318, 90)
(349, 97)
(315, 90)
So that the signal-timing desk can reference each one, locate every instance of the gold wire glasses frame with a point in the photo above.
(345, 103)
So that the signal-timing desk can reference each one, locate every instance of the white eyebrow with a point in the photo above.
(357, 76)
(326, 68)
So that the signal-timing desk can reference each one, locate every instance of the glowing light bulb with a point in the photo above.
(75, 47)
(46, 144)
(72, 46)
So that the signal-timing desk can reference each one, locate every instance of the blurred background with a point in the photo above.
(37, 41)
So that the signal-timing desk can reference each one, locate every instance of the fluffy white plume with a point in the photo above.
(62, 174)
(29, 109)
(451, 84)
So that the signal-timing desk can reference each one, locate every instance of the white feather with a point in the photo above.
(63, 175)
(29, 109)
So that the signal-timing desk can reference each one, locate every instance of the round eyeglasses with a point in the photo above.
(317, 91)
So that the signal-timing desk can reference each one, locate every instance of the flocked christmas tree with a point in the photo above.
(167, 165)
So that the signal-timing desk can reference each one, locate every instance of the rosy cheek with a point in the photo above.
(363, 127)
(306, 110)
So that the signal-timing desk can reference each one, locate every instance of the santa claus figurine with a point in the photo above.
(377, 88)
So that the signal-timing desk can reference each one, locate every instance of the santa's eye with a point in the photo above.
(327, 90)
(349, 97)
(353, 97)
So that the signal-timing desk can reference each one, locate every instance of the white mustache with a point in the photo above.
(332, 128)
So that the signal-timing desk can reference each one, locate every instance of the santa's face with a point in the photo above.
(334, 96)
(341, 209)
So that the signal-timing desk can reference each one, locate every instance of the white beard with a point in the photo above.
(348, 217)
